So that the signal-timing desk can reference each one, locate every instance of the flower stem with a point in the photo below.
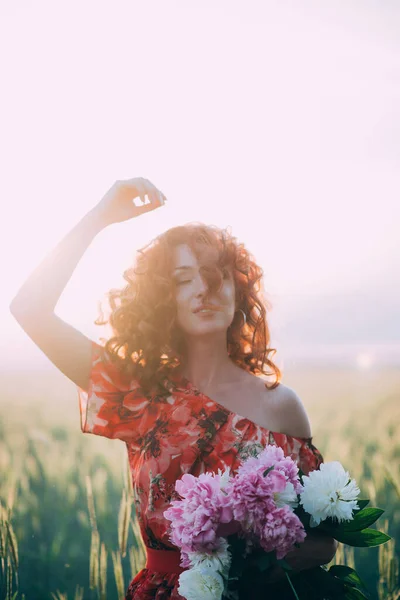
(291, 585)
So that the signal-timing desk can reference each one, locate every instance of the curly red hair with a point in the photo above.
(147, 343)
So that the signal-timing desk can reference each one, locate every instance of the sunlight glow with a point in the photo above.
(364, 360)
(274, 120)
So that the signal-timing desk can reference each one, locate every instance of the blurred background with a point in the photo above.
(280, 120)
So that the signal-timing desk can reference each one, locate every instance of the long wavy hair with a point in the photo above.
(147, 342)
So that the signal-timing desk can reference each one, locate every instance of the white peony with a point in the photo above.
(225, 476)
(329, 492)
(286, 498)
(201, 583)
(218, 560)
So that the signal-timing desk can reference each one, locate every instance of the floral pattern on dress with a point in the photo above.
(186, 432)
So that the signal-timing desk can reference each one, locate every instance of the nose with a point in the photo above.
(201, 285)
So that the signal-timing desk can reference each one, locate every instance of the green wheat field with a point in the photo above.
(67, 522)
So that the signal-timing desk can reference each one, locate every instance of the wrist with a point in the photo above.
(97, 219)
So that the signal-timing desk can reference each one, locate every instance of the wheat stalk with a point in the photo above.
(118, 574)
(79, 591)
(392, 479)
(103, 572)
(90, 499)
(95, 539)
(388, 568)
(124, 516)
(94, 561)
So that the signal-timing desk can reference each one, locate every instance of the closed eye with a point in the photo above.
(226, 276)
(185, 281)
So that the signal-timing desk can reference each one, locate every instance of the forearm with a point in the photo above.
(317, 549)
(41, 291)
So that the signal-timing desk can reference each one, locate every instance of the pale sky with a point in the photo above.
(280, 119)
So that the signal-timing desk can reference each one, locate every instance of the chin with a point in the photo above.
(191, 324)
(205, 327)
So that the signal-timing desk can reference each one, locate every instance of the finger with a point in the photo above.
(143, 186)
(146, 207)
(160, 198)
(153, 187)
(139, 185)
(156, 198)
(150, 187)
(157, 195)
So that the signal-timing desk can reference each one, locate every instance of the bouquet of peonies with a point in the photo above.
(232, 529)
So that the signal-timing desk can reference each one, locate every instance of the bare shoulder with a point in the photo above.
(289, 410)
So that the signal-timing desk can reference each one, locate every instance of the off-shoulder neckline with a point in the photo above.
(186, 384)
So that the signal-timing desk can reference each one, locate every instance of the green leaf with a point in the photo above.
(363, 519)
(329, 527)
(352, 593)
(362, 539)
(348, 575)
(330, 524)
(362, 503)
(268, 470)
(341, 571)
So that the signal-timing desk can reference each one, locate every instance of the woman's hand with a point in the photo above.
(317, 549)
(117, 204)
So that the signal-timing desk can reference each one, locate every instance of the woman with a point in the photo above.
(179, 381)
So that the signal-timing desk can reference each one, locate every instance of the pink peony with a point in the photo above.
(263, 503)
(252, 496)
(195, 518)
(256, 506)
(280, 531)
(273, 456)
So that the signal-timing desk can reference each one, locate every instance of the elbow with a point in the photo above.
(24, 311)
(26, 317)
(326, 547)
(13, 310)
(331, 546)
(17, 312)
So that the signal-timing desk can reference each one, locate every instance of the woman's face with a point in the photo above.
(191, 289)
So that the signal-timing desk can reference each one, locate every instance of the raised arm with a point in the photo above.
(33, 306)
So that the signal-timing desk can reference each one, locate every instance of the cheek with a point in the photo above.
(228, 292)
(182, 298)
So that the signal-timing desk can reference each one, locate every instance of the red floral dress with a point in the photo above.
(186, 432)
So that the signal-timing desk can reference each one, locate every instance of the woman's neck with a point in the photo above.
(209, 371)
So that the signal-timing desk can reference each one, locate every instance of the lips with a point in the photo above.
(205, 306)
